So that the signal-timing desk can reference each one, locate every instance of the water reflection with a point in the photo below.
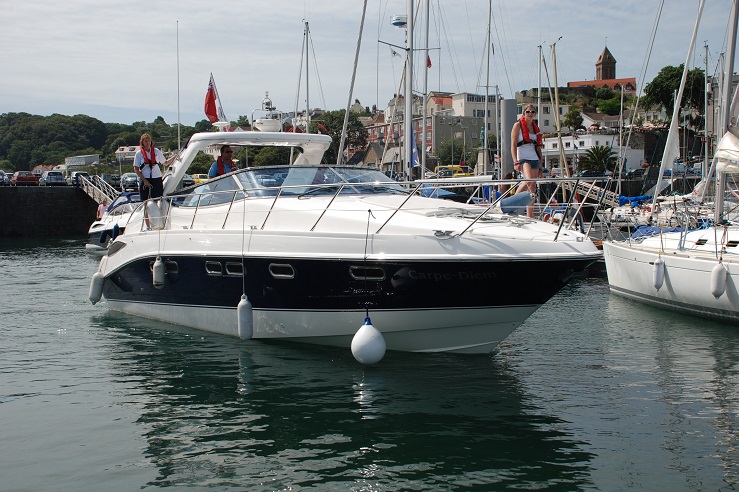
(218, 411)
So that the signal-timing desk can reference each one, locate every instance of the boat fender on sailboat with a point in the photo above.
(658, 273)
(718, 279)
(158, 271)
(245, 318)
(96, 287)
(368, 344)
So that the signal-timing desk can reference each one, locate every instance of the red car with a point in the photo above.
(24, 178)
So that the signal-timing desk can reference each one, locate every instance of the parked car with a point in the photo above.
(199, 178)
(187, 180)
(23, 178)
(52, 178)
(73, 179)
(130, 182)
(4, 178)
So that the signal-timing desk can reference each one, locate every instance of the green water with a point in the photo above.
(593, 392)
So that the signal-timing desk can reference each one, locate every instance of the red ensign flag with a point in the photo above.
(210, 102)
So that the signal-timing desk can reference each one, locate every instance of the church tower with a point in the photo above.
(605, 67)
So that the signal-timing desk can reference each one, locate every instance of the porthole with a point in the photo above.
(213, 268)
(234, 269)
(281, 270)
(367, 273)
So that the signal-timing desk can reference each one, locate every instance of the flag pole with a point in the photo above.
(221, 114)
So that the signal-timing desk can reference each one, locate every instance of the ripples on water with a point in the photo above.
(592, 392)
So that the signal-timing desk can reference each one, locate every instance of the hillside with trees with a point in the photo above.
(28, 140)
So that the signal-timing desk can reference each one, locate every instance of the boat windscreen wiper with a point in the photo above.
(316, 190)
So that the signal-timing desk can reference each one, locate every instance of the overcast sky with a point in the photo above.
(118, 61)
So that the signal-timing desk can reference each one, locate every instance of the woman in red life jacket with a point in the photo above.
(146, 165)
(224, 164)
(526, 142)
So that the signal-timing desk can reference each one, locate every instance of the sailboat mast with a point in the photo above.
(726, 108)
(345, 126)
(562, 157)
(729, 71)
(706, 145)
(672, 144)
(408, 119)
(538, 93)
(538, 101)
(307, 87)
(485, 154)
(179, 140)
(425, 92)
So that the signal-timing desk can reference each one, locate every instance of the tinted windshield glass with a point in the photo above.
(298, 180)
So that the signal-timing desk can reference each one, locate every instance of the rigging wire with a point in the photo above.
(315, 64)
(504, 48)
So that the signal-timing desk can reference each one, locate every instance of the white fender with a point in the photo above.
(718, 280)
(158, 272)
(245, 318)
(96, 287)
(658, 273)
(368, 344)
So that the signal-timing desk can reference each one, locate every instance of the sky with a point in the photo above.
(135, 60)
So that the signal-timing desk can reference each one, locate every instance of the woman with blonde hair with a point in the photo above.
(146, 165)
(526, 142)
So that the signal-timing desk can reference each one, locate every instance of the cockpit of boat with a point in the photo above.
(300, 181)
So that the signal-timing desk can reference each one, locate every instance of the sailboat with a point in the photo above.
(691, 271)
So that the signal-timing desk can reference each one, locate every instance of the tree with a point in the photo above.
(598, 158)
(446, 157)
(610, 106)
(573, 118)
(661, 90)
(333, 123)
(603, 93)
(271, 156)
(242, 121)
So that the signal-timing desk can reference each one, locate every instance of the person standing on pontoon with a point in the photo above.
(526, 142)
(102, 208)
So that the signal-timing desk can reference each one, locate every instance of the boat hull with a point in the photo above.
(687, 280)
(422, 306)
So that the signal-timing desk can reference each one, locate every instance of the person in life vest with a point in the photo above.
(224, 164)
(526, 142)
(146, 165)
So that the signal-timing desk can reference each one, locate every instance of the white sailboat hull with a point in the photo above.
(687, 275)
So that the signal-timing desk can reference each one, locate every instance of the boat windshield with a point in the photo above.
(125, 198)
(301, 180)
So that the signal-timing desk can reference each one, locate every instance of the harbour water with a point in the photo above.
(592, 392)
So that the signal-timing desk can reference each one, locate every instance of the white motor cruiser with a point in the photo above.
(316, 249)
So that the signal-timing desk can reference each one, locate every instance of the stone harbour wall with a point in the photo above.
(45, 211)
